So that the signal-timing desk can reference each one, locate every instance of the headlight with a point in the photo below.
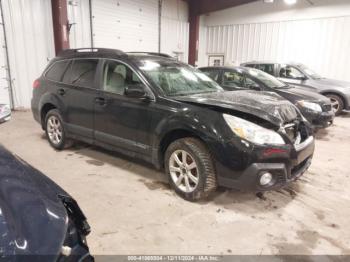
(311, 106)
(252, 132)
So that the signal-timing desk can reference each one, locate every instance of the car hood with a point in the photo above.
(332, 82)
(265, 105)
(33, 220)
(295, 94)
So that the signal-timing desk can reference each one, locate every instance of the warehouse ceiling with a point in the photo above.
(207, 6)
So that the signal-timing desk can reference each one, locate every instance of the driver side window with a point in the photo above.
(290, 72)
(117, 76)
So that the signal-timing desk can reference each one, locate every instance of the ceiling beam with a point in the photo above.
(207, 6)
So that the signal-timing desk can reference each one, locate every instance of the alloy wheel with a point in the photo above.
(335, 104)
(183, 171)
(54, 130)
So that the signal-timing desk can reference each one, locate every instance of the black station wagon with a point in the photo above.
(152, 107)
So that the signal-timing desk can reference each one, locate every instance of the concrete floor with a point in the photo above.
(132, 210)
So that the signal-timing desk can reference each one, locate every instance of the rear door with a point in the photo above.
(121, 121)
(78, 90)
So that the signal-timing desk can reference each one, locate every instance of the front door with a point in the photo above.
(121, 121)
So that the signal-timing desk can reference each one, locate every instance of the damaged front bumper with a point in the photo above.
(5, 113)
(320, 120)
(284, 163)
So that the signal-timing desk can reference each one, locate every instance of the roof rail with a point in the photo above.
(72, 52)
(150, 53)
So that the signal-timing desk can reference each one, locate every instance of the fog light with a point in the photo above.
(265, 179)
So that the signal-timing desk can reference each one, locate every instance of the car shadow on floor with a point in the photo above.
(154, 179)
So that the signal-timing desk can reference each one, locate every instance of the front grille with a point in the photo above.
(327, 108)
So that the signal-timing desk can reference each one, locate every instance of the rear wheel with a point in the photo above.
(337, 103)
(189, 166)
(55, 131)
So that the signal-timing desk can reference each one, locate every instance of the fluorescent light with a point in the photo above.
(268, 1)
(290, 2)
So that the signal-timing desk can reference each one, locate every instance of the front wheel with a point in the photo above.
(190, 168)
(337, 103)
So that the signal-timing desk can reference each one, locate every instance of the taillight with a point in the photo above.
(36, 84)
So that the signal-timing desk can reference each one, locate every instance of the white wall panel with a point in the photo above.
(323, 44)
(4, 83)
(79, 17)
(175, 29)
(29, 33)
(129, 25)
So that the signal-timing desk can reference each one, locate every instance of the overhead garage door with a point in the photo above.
(128, 25)
(30, 44)
(4, 84)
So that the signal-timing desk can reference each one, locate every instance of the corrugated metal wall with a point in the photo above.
(79, 18)
(29, 34)
(323, 44)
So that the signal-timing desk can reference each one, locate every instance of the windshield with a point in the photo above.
(310, 72)
(267, 79)
(176, 79)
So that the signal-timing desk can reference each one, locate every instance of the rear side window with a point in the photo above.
(250, 65)
(81, 73)
(267, 68)
(56, 71)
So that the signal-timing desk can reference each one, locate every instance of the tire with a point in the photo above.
(55, 132)
(195, 152)
(337, 103)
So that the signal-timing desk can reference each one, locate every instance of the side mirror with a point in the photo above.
(136, 91)
(301, 78)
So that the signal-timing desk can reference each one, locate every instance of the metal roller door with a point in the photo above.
(129, 25)
(4, 84)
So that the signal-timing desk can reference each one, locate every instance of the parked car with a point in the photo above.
(5, 113)
(174, 116)
(300, 75)
(39, 221)
(316, 108)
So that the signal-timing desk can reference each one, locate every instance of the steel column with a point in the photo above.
(60, 24)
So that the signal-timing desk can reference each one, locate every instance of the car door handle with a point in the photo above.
(61, 92)
(100, 101)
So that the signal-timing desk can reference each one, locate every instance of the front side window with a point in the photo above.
(177, 79)
(117, 76)
(56, 71)
(81, 73)
(290, 72)
(233, 79)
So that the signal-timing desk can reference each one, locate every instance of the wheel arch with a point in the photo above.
(43, 112)
(331, 92)
(171, 136)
